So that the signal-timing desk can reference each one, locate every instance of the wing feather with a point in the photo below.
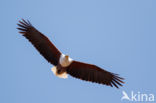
(94, 73)
(46, 48)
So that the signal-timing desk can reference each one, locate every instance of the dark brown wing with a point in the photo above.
(93, 73)
(41, 42)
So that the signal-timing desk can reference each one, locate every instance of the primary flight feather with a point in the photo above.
(63, 64)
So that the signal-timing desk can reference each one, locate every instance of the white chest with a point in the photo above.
(65, 61)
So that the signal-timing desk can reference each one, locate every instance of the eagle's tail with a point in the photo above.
(63, 75)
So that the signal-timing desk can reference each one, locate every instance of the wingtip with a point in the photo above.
(24, 22)
(117, 81)
(24, 25)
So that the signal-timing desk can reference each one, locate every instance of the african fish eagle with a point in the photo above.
(63, 64)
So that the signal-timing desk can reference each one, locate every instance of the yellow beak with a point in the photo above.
(66, 56)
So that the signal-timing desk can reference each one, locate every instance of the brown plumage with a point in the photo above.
(93, 73)
(41, 42)
(76, 69)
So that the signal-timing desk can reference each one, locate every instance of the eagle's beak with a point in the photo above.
(66, 56)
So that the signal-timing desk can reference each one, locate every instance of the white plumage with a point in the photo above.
(63, 75)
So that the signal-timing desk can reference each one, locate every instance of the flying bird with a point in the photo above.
(63, 64)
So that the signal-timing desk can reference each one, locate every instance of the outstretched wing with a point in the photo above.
(40, 42)
(93, 73)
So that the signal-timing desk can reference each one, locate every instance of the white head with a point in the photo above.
(65, 60)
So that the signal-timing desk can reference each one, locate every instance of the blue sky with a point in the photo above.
(117, 35)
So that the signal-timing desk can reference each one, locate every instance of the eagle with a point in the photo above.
(63, 64)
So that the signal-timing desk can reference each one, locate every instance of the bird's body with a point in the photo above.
(60, 69)
(63, 64)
